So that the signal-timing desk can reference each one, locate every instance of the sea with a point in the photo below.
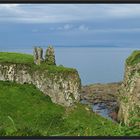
(94, 64)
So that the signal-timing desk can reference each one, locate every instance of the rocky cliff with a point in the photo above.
(60, 83)
(129, 93)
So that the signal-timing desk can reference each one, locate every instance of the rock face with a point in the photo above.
(61, 84)
(63, 88)
(129, 95)
(105, 94)
(100, 92)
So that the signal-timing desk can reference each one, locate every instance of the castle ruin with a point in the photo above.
(38, 55)
(49, 56)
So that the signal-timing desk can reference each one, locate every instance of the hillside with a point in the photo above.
(25, 111)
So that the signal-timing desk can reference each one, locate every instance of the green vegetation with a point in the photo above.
(25, 111)
(16, 58)
(27, 59)
(134, 58)
(52, 68)
(134, 119)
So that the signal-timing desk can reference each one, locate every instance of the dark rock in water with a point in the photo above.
(102, 106)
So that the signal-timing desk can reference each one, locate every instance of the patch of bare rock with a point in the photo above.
(102, 94)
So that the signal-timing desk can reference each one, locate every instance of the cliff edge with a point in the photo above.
(129, 92)
(61, 84)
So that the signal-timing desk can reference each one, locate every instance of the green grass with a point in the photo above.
(134, 58)
(52, 68)
(27, 59)
(16, 58)
(25, 111)
(27, 107)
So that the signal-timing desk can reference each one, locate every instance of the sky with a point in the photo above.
(26, 25)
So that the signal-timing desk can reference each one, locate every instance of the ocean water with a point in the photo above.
(95, 65)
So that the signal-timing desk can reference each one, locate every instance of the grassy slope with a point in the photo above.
(24, 110)
(16, 57)
(134, 58)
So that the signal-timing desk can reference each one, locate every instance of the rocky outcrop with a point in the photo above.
(96, 93)
(62, 87)
(104, 94)
(129, 93)
(61, 84)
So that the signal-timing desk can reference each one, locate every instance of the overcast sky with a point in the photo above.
(69, 24)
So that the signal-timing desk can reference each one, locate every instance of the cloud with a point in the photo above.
(28, 13)
(64, 27)
(9, 6)
(117, 30)
(83, 28)
(124, 10)
(63, 13)
(67, 27)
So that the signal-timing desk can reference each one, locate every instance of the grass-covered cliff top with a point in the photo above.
(16, 57)
(134, 58)
(27, 59)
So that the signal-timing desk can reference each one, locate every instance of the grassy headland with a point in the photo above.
(27, 59)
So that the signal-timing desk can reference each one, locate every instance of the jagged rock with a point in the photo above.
(50, 56)
(100, 92)
(62, 87)
(104, 94)
(38, 55)
(129, 93)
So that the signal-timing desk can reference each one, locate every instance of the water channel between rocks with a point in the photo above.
(99, 108)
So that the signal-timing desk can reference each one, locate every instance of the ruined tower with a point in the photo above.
(38, 55)
(50, 56)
